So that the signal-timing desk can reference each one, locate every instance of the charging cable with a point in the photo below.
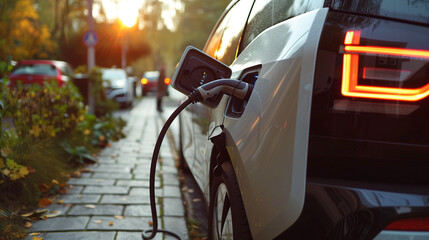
(230, 87)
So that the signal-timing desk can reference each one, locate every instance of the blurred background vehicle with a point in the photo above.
(37, 71)
(118, 86)
(149, 82)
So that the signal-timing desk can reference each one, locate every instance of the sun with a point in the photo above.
(128, 12)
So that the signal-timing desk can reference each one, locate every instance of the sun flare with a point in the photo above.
(128, 13)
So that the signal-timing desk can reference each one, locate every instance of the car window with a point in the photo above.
(415, 10)
(268, 13)
(226, 37)
(35, 69)
(114, 74)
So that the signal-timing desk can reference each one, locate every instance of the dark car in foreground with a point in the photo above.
(29, 72)
(333, 143)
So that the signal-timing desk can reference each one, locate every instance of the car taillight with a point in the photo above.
(144, 81)
(379, 72)
(409, 224)
(167, 81)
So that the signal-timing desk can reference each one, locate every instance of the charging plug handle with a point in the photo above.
(231, 87)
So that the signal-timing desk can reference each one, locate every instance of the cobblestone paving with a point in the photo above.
(112, 200)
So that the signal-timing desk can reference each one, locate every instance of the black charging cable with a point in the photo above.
(223, 86)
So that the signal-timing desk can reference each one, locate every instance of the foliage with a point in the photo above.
(44, 111)
(45, 132)
(23, 35)
(11, 226)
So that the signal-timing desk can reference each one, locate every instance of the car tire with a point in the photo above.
(225, 193)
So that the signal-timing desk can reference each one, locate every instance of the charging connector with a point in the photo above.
(230, 87)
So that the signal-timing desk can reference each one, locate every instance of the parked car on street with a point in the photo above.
(37, 71)
(149, 82)
(118, 86)
(333, 142)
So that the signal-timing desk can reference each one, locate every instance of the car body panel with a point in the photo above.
(118, 86)
(274, 151)
(37, 71)
(250, 138)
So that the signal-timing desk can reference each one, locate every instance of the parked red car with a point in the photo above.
(30, 72)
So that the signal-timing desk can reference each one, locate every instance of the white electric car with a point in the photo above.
(333, 142)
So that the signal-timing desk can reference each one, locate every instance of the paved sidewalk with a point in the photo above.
(111, 202)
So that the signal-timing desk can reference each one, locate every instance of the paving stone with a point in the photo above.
(79, 198)
(137, 191)
(86, 174)
(172, 191)
(75, 189)
(140, 210)
(176, 225)
(173, 207)
(76, 236)
(136, 183)
(60, 224)
(91, 181)
(126, 224)
(169, 162)
(112, 168)
(125, 199)
(60, 209)
(106, 190)
(135, 236)
(170, 179)
(112, 175)
(169, 169)
(99, 210)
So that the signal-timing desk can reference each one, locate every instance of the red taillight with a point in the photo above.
(167, 81)
(144, 81)
(410, 224)
(355, 69)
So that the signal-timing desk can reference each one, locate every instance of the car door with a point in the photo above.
(267, 137)
(223, 45)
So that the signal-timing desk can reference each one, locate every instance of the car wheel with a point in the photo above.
(227, 217)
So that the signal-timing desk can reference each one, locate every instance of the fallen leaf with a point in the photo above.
(34, 234)
(51, 214)
(28, 224)
(196, 200)
(37, 238)
(61, 201)
(83, 170)
(76, 174)
(55, 182)
(98, 221)
(119, 217)
(190, 190)
(90, 206)
(44, 188)
(150, 223)
(44, 202)
(110, 223)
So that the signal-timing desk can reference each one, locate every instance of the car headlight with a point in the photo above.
(119, 83)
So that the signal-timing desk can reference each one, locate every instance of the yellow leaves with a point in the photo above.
(35, 131)
(28, 224)
(13, 170)
(37, 238)
(86, 131)
(25, 36)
